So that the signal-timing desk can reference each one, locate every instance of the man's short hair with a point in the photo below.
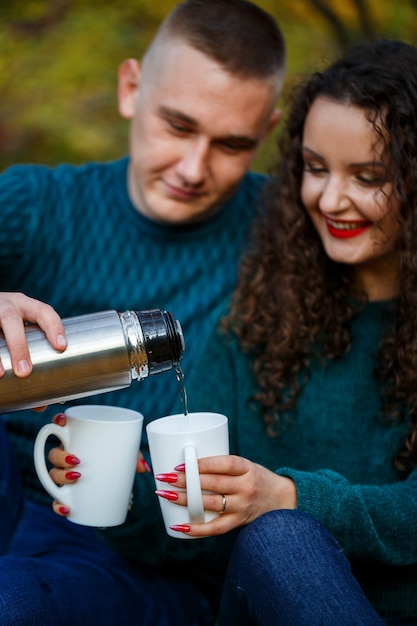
(237, 34)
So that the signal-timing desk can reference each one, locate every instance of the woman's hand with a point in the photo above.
(248, 488)
(15, 310)
(66, 470)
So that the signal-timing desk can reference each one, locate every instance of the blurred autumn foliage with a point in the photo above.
(59, 59)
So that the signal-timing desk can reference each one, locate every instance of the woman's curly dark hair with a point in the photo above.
(291, 297)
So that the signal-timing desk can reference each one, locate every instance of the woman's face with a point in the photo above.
(345, 189)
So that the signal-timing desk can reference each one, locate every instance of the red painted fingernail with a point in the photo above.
(169, 495)
(180, 467)
(60, 419)
(71, 459)
(146, 465)
(64, 510)
(181, 528)
(72, 475)
(167, 478)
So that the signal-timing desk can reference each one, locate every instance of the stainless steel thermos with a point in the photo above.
(105, 352)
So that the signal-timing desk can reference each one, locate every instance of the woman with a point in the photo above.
(320, 375)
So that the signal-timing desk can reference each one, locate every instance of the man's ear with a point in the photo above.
(129, 81)
(273, 120)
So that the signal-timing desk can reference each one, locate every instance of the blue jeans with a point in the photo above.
(56, 573)
(286, 569)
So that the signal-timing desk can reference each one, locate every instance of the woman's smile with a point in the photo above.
(344, 229)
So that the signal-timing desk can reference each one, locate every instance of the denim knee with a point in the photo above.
(286, 568)
(283, 531)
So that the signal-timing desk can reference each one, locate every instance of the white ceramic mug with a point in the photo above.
(106, 439)
(177, 439)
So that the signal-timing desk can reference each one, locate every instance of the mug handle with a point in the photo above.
(59, 493)
(193, 486)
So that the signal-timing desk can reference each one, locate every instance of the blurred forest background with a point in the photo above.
(59, 60)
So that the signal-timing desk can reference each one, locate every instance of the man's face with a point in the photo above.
(195, 130)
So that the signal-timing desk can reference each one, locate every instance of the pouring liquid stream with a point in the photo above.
(183, 394)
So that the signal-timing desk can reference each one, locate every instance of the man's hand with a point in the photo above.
(16, 309)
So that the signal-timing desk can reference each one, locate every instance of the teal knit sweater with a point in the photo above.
(338, 451)
(71, 237)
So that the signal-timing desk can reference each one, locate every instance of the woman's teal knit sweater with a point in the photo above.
(338, 450)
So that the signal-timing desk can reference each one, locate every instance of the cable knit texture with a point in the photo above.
(338, 450)
(71, 237)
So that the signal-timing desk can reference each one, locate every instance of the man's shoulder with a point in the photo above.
(64, 171)
(248, 196)
(255, 181)
(251, 186)
(24, 187)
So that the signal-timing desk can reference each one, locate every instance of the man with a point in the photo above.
(163, 228)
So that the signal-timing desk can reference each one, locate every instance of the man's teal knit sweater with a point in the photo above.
(339, 451)
(71, 237)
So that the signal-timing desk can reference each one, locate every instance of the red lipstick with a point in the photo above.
(343, 229)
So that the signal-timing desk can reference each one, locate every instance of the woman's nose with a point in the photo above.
(334, 196)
